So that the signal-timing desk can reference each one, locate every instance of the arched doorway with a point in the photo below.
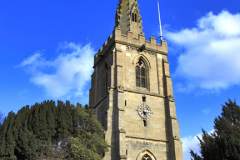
(145, 155)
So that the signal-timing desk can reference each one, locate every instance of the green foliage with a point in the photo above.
(45, 131)
(224, 142)
(89, 143)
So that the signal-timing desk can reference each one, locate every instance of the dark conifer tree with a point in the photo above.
(27, 144)
(9, 139)
(34, 121)
(61, 120)
(44, 131)
(17, 130)
(50, 118)
(68, 113)
(3, 131)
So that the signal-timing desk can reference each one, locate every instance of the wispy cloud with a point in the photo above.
(64, 76)
(209, 58)
(206, 111)
(23, 93)
(30, 60)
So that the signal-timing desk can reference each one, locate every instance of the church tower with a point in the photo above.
(131, 92)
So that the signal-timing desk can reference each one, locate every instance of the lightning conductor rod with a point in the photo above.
(160, 21)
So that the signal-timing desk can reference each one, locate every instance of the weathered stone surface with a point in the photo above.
(115, 97)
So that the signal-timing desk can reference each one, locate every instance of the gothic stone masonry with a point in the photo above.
(131, 92)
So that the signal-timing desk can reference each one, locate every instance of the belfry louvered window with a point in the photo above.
(140, 74)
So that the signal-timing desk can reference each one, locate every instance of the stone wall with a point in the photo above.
(116, 107)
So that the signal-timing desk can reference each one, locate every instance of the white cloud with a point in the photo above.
(64, 76)
(206, 111)
(210, 56)
(30, 59)
(191, 142)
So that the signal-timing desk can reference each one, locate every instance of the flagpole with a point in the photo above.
(160, 21)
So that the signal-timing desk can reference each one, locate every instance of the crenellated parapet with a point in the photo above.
(102, 51)
(138, 42)
(130, 40)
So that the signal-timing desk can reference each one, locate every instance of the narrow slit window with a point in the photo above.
(144, 123)
(144, 99)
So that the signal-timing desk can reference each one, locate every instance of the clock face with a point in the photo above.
(144, 111)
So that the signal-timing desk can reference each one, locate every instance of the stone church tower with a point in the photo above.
(131, 92)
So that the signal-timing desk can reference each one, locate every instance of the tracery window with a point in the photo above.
(146, 157)
(140, 74)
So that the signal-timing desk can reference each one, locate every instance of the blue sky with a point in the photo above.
(47, 49)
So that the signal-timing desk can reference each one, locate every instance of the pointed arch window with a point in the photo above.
(134, 16)
(141, 74)
(146, 157)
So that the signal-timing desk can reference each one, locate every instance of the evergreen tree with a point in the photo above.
(45, 131)
(89, 142)
(224, 142)
(61, 119)
(26, 144)
(50, 118)
(3, 131)
(9, 138)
